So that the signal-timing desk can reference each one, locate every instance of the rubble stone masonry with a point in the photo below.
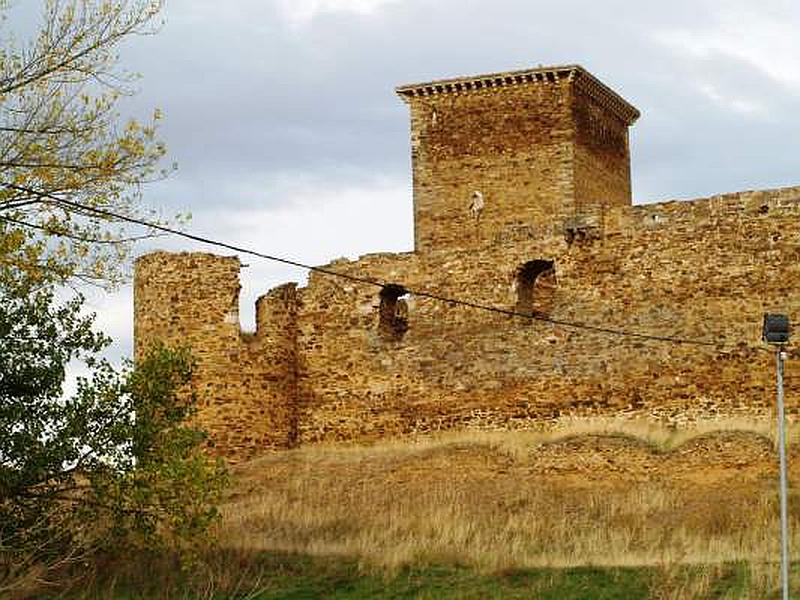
(539, 145)
(557, 240)
(246, 384)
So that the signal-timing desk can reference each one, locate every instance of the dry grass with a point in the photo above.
(686, 508)
(495, 529)
(582, 493)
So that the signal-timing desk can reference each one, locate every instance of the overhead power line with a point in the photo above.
(101, 212)
(77, 237)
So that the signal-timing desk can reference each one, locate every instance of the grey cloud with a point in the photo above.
(251, 100)
(247, 96)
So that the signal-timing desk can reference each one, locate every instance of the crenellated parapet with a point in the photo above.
(570, 74)
(245, 382)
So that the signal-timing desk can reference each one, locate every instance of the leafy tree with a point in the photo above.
(63, 147)
(116, 462)
(114, 465)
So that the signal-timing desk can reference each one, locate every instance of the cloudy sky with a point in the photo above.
(282, 118)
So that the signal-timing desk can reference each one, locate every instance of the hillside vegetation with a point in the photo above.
(585, 494)
(588, 510)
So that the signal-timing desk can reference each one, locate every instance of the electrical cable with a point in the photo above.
(363, 280)
(77, 237)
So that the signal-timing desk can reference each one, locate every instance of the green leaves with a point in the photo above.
(166, 496)
(115, 466)
(62, 138)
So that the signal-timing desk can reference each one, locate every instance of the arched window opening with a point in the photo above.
(393, 312)
(536, 285)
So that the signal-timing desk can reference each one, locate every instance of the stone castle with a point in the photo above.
(522, 202)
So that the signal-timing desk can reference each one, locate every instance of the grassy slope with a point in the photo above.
(657, 513)
(461, 583)
(516, 500)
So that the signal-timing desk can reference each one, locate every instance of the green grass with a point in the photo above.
(544, 584)
(290, 577)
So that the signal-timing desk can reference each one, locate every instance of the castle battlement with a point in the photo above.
(556, 240)
(587, 82)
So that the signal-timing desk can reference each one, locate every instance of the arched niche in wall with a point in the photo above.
(536, 287)
(393, 312)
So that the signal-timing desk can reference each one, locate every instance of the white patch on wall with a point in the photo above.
(477, 204)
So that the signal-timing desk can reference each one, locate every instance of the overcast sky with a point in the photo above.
(289, 138)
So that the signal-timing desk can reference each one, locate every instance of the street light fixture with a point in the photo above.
(776, 332)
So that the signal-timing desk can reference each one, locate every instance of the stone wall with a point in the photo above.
(557, 240)
(320, 369)
(245, 382)
(601, 157)
(703, 270)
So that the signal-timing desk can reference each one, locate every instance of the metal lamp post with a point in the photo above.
(776, 332)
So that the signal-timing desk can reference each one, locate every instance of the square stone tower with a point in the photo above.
(525, 151)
